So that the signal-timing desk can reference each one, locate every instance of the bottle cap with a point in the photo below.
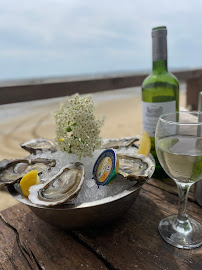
(158, 31)
(106, 167)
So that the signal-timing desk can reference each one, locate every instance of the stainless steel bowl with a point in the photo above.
(97, 213)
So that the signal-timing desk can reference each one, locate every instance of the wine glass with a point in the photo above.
(178, 141)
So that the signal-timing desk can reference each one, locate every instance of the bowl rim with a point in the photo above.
(14, 193)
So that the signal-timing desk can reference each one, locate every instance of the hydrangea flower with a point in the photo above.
(77, 129)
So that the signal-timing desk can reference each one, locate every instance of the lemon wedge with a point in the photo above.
(28, 180)
(145, 144)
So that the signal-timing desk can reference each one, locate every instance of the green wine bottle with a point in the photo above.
(160, 91)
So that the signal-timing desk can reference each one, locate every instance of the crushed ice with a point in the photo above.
(89, 191)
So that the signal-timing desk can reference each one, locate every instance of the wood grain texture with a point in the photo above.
(29, 243)
(134, 241)
(131, 243)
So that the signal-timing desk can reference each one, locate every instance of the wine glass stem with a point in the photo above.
(182, 223)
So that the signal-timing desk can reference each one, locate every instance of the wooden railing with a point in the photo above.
(33, 89)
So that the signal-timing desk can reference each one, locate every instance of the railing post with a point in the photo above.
(194, 87)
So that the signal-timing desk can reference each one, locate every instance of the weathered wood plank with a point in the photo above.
(131, 243)
(29, 243)
(134, 241)
(11, 253)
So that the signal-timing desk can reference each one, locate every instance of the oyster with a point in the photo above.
(61, 188)
(38, 145)
(13, 170)
(119, 143)
(135, 166)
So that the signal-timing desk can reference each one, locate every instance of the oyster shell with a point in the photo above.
(59, 189)
(38, 145)
(13, 170)
(119, 143)
(135, 166)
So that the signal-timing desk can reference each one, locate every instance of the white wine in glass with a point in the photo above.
(178, 142)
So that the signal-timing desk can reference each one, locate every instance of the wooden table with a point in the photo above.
(133, 242)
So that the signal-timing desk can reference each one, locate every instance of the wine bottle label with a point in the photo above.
(151, 112)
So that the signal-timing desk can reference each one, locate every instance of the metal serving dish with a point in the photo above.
(97, 213)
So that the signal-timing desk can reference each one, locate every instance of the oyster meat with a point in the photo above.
(13, 170)
(119, 143)
(59, 189)
(135, 166)
(35, 145)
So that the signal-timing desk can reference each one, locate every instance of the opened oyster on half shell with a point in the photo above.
(60, 188)
(35, 145)
(120, 142)
(13, 170)
(135, 166)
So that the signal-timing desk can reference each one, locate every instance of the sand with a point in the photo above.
(121, 110)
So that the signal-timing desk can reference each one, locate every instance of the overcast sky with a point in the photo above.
(70, 37)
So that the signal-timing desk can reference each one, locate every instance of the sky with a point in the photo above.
(49, 38)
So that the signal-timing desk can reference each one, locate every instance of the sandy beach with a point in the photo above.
(121, 110)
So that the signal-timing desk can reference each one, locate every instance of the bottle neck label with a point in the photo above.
(151, 112)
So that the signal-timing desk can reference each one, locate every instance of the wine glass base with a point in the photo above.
(186, 238)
